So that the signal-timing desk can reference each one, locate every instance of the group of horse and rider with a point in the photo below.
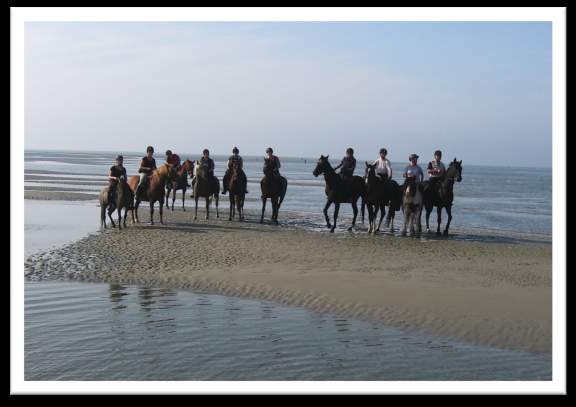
(377, 189)
(155, 183)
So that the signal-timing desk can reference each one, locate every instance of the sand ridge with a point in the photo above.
(486, 293)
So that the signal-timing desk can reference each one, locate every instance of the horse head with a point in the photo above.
(321, 166)
(188, 166)
(197, 168)
(455, 170)
(370, 170)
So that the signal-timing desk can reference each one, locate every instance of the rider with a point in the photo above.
(234, 158)
(207, 165)
(348, 164)
(116, 175)
(436, 170)
(384, 168)
(173, 159)
(274, 161)
(413, 170)
(147, 165)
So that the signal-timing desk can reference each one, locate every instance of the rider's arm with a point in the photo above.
(110, 176)
(278, 162)
(389, 167)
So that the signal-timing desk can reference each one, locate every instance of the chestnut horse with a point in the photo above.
(155, 190)
(180, 183)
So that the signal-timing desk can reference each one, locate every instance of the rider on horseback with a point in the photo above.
(234, 158)
(274, 161)
(147, 165)
(436, 171)
(207, 165)
(413, 171)
(116, 175)
(384, 168)
(347, 165)
(173, 159)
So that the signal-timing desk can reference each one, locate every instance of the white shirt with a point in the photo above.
(384, 167)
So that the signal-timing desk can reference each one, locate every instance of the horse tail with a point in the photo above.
(283, 189)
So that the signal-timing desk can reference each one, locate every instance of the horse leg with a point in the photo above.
(119, 218)
(428, 212)
(151, 211)
(406, 220)
(111, 220)
(275, 207)
(195, 207)
(125, 215)
(336, 209)
(136, 205)
(439, 215)
(419, 219)
(102, 215)
(161, 211)
(370, 218)
(183, 198)
(217, 198)
(328, 203)
(207, 208)
(355, 211)
(231, 198)
(173, 199)
(449, 211)
(263, 208)
(382, 214)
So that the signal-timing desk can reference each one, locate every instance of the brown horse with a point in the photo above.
(207, 187)
(155, 190)
(124, 199)
(237, 191)
(273, 187)
(180, 183)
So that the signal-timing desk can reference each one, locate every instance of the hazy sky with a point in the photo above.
(478, 91)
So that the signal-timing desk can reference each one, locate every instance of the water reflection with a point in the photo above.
(143, 333)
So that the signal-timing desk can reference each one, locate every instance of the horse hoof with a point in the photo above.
(438, 233)
(332, 230)
(328, 225)
(350, 229)
(445, 233)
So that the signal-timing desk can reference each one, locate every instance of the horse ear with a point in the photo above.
(460, 162)
(367, 164)
(327, 156)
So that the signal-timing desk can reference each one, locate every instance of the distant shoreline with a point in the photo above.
(291, 158)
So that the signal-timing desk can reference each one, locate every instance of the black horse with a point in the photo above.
(380, 192)
(274, 187)
(339, 191)
(440, 195)
(237, 191)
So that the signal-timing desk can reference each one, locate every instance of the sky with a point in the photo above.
(479, 91)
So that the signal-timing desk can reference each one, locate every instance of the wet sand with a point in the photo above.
(487, 293)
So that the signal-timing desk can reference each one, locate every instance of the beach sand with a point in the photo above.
(494, 294)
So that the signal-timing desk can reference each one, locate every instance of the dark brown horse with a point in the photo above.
(381, 192)
(273, 186)
(155, 190)
(237, 191)
(124, 199)
(441, 195)
(339, 191)
(205, 186)
(180, 183)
